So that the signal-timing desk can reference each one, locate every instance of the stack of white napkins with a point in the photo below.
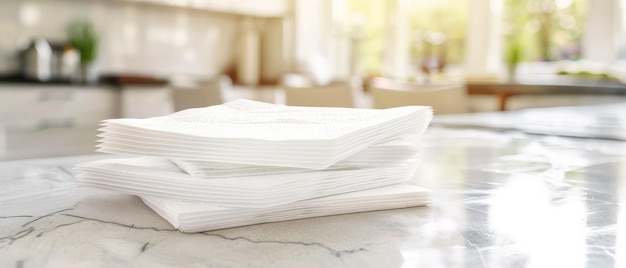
(247, 162)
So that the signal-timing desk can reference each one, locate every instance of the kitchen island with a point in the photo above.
(501, 199)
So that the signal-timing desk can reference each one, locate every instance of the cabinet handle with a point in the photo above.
(48, 123)
(56, 95)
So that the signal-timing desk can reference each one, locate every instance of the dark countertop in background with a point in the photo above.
(107, 80)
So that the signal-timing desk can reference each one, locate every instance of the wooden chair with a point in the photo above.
(444, 98)
(198, 94)
(339, 94)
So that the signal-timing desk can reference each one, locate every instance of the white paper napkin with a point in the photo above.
(200, 217)
(392, 153)
(255, 133)
(160, 177)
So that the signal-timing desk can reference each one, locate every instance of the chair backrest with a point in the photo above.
(386, 83)
(200, 94)
(333, 95)
(445, 99)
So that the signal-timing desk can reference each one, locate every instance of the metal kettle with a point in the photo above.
(37, 60)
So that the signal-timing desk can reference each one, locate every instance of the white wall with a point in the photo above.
(310, 37)
(603, 35)
(396, 56)
(135, 37)
(483, 41)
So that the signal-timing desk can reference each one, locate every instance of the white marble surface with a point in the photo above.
(500, 200)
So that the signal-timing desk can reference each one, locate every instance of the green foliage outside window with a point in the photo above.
(534, 30)
(547, 30)
(428, 19)
(373, 32)
(438, 27)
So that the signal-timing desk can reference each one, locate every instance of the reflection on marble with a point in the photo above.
(500, 200)
(606, 121)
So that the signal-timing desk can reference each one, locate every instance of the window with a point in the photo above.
(370, 15)
(534, 30)
(438, 26)
(544, 30)
(436, 29)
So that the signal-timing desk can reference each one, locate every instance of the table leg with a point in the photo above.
(502, 98)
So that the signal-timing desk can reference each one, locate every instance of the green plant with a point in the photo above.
(514, 54)
(84, 38)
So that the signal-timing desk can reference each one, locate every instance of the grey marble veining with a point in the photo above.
(501, 199)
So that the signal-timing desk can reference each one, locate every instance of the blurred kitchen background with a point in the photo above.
(67, 64)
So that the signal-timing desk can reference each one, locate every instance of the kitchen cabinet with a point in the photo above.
(45, 120)
(38, 120)
(43, 107)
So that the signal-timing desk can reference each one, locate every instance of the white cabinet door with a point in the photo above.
(34, 107)
(40, 121)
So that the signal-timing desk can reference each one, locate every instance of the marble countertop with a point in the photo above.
(501, 199)
(605, 121)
